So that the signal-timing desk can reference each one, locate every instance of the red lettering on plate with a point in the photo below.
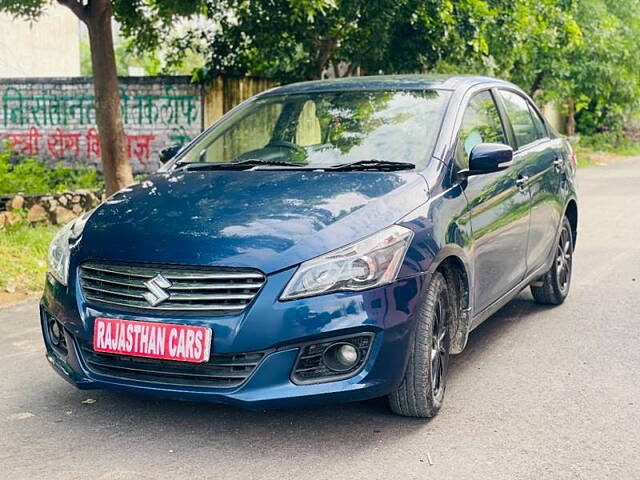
(184, 343)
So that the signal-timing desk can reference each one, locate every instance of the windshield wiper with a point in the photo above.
(244, 165)
(373, 165)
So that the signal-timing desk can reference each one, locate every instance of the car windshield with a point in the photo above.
(326, 129)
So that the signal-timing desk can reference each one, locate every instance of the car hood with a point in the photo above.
(267, 219)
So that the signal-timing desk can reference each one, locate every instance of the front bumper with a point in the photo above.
(385, 312)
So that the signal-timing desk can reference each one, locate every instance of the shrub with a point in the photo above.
(32, 175)
(611, 142)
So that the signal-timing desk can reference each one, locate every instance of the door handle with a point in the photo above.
(558, 163)
(521, 182)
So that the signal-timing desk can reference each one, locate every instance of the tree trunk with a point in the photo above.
(571, 118)
(537, 82)
(325, 51)
(115, 162)
(351, 71)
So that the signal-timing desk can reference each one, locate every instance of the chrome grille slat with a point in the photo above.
(167, 305)
(193, 289)
(128, 274)
(212, 296)
(215, 286)
(128, 283)
(119, 291)
(214, 277)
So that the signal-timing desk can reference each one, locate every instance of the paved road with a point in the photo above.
(539, 393)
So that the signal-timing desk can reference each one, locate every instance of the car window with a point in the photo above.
(538, 122)
(519, 114)
(327, 128)
(253, 133)
(480, 124)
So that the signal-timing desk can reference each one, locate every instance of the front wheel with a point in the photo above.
(422, 389)
(553, 287)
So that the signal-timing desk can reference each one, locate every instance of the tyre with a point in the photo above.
(553, 287)
(422, 389)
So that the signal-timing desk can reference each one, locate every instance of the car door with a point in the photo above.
(498, 209)
(541, 164)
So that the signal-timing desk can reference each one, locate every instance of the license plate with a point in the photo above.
(183, 343)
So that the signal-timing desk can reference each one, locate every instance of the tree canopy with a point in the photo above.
(581, 54)
(144, 20)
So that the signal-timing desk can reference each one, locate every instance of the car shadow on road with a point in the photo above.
(166, 422)
(519, 312)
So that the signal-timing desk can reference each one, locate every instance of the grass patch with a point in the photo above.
(23, 256)
(604, 148)
(610, 142)
(587, 156)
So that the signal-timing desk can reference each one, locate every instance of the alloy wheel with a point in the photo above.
(439, 348)
(563, 261)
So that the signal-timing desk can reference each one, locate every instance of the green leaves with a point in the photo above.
(578, 52)
(32, 175)
(30, 9)
(148, 22)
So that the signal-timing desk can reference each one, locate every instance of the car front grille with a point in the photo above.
(212, 290)
(221, 371)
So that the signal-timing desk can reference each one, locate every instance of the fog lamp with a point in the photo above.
(55, 333)
(341, 357)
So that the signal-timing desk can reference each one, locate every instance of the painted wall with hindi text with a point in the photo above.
(54, 118)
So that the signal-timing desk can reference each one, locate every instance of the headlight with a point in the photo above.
(58, 258)
(368, 263)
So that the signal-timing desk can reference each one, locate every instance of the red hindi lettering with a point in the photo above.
(93, 143)
(60, 143)
(139, 146)
(25, 143)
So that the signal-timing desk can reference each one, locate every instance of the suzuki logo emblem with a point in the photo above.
(157, 293)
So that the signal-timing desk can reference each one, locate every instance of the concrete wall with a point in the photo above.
(49, 47)
(54, 118)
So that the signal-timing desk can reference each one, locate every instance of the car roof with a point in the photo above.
(389, 82)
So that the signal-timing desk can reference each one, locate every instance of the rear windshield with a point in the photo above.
(329, 128)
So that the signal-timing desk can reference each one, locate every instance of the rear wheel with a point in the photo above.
(553, 287)
(422, 389)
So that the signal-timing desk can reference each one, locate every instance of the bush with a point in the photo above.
(614, 142)
(32, 175)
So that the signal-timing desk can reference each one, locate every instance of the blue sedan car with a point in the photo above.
(323, 242)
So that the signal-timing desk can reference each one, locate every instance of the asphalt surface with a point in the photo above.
(538, 393)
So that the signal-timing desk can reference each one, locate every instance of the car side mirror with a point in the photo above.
(168, 153)
(488, 158)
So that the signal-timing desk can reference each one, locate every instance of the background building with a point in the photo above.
(49, 47)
